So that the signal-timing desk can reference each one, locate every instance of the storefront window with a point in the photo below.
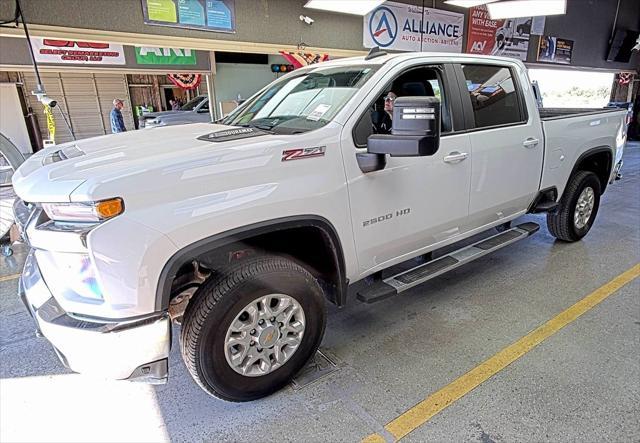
(304, 102)
(573, 89)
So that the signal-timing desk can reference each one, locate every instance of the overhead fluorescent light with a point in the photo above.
(526, 8)
(468, 3)
(355, 7)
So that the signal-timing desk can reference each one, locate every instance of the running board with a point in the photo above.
(394, 285)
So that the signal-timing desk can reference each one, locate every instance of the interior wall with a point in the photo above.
(242, 78)
(587, 22)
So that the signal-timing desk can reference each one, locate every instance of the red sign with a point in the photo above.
(509, 38)
(71, 51)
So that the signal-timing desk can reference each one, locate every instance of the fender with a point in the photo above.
(170, 269)
(588, 153)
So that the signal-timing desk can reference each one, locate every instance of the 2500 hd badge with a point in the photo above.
(386, 217)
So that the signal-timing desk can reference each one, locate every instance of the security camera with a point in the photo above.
(43, 98)
(637, 46)
(48, 101)
(307, 20)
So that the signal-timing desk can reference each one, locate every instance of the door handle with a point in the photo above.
(455, 157)
(530, 142)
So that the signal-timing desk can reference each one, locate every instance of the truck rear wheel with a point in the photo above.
(578, 207)
(251, 328)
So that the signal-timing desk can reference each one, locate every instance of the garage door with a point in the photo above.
(86, 100)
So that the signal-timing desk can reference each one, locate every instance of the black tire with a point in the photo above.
(561, 221)
(220, 299)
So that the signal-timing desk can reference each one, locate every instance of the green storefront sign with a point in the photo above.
(165, 56)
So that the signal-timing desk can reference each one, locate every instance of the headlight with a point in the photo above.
(84, 212)
(69, 275)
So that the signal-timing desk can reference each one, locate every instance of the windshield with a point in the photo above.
(192, 104)
(304, 102)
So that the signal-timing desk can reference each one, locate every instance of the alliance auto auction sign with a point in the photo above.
(48, 50)
(404, 27)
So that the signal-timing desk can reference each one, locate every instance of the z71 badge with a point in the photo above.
(300, 153)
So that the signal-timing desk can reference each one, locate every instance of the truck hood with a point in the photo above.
(53, 174)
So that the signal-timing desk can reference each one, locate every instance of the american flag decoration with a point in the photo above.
(300, 59)
(185, 81)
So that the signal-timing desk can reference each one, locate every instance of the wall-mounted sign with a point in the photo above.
(151, 55)
(210, 15)
(48, 50)
(508, 38)
(555, 50)
(408, 28)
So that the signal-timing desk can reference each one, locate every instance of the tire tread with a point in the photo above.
(213, 292)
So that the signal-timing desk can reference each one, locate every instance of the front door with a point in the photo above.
(414, 202)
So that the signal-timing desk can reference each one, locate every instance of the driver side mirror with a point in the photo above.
(415, 131)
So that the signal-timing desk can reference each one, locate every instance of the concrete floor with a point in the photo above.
(582, 384)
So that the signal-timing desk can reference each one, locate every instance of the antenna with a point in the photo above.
(375, 52)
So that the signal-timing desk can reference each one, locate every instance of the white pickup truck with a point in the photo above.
(242, 231)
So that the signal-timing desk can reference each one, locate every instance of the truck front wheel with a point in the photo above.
(251, 328)
(578, 207)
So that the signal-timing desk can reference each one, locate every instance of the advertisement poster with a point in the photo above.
(508, 38)
(401, 27)
(210, 15)
(148, 55)
(48, 50)
(555, 50)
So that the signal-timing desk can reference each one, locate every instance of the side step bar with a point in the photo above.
(391, 286)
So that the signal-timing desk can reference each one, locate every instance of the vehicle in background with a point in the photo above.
(242, 232)
(194, 111)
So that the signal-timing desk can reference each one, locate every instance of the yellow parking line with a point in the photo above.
(9, 277)
(438, 401)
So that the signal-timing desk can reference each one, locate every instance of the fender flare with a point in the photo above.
(207, 244)
(588, 153)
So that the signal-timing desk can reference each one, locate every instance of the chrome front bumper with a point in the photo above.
(134, 349)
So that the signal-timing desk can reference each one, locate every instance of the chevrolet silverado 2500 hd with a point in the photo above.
(242, 231)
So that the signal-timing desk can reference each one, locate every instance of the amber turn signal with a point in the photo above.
(109, 208)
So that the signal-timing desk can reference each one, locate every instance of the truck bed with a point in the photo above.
(556, 113)
(568, 134)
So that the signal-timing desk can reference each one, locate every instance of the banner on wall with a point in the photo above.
(555, 50)
(48, 50)
(208, 15)
(508, 38)
(151, 55)
(402, 27)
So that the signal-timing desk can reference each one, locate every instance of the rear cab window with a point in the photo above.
(494, 95)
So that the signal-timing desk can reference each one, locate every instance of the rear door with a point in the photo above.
(506, 141)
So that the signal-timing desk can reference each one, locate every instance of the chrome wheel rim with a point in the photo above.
(264, 335)
(584, 207)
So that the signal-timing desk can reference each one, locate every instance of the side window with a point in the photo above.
(493, 95)
(420, 82)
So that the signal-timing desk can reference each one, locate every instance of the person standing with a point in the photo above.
(117, 122)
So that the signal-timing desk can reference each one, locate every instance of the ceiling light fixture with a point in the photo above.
(526, 8)
(468, 3)
(355, 7)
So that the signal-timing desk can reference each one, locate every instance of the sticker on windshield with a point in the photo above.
(317, 113)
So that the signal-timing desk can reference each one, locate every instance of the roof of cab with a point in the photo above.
(380, 60)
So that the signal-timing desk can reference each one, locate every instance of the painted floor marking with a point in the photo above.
(440, 400)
